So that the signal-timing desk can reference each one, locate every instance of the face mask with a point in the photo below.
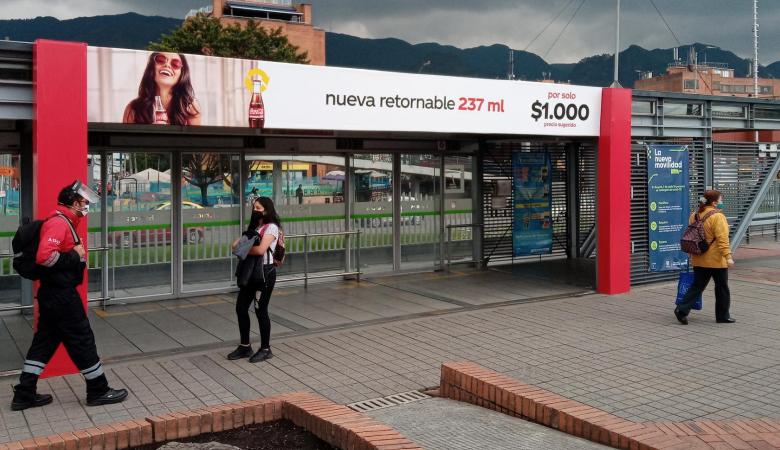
(720, 205)
(257, 216)
(84, 211)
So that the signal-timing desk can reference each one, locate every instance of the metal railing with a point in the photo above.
(448, 250)
(768, 216)
(347, 272)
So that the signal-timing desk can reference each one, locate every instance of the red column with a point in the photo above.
(59, 141)
(613, 193)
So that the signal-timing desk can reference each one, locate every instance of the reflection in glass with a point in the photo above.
(458, 207)
(210, 217)
(10, 204)
(372, 212)
(309, 195)
(139, 234)
(420, 210)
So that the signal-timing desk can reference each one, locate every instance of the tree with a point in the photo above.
(206, 35)
(204, 169)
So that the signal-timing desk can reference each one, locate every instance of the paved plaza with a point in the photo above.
(208, 322)
(623, 354)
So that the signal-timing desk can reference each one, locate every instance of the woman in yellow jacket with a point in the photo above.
(713, 263)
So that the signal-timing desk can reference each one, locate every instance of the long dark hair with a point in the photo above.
(269, 215)
(179, 110)
(708, 199)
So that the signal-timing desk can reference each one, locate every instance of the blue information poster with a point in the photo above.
(532, 232)
(667, 199)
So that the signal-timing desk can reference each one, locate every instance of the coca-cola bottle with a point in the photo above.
(160, 114)
(256, 107)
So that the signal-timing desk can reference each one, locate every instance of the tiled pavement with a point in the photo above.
(624, 354)
(210, 321)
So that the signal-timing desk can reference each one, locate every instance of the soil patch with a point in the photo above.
(279, 435)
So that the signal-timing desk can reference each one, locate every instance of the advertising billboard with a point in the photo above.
(532, 232)
(131, 86)
(667, 204)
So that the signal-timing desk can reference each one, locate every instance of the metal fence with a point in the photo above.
(203, 242)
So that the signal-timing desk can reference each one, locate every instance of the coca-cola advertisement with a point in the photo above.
(143, 88)
(162, 88)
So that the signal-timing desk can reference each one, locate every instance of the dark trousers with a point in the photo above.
(701, 278)
(260, 296)
(62, 320)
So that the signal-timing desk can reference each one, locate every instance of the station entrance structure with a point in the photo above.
(420, 200)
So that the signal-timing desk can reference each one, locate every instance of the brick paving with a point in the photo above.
(625, 355)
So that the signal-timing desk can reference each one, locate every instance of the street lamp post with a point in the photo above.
(615, 82)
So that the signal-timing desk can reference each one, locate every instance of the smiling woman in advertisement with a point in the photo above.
(165, 95)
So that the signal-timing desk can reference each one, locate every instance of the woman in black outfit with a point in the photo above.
(265, 223)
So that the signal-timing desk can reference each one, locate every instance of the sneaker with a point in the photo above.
(24, 400)
(111, 396)
(261, 355)
(242, 351)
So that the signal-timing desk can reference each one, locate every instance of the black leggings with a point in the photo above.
(701, 278)
(246, 296)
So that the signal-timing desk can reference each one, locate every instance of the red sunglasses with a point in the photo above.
(162, 60)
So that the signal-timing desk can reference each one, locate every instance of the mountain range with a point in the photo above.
(135, 31)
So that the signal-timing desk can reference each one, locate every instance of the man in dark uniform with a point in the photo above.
(62, 318)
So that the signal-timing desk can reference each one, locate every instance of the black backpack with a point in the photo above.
(25, 247)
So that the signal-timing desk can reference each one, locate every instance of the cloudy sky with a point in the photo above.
(470, 23)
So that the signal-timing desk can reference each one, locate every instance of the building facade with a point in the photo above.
(707, 79)
(295, 21)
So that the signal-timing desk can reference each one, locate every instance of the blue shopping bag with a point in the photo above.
(685, 282)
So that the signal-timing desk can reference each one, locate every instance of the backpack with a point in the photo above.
(278, 255)
(693, 240)
(25, 247)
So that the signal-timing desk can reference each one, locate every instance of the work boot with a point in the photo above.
(242, 351)
(25, 399)
(110, 396)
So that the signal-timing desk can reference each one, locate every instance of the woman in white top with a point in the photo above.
(265, 222)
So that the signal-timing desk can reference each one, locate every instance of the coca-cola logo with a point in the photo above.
(256, 113)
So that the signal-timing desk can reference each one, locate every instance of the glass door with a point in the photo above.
(97, 279)
(308, 192)
(210, 219)
(420, 211)
(10, 208)
(372, 210)
(460, 234)
(137, 225)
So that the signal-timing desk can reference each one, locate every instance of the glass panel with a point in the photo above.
(309, 197)
(458, 204)
(138, 195)
(728, 111)
(372, 190)
(682, 109)
(766, 113)
(210, 217)
(642, 107)
(420, 210)
(95, 229)
(10, 203)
